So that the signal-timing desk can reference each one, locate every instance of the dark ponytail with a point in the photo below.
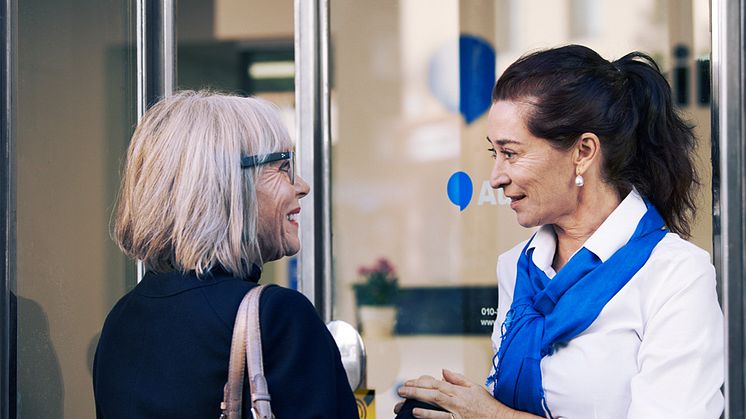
(644, 141)
(662, 169)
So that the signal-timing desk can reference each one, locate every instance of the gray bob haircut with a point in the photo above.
(185, 204)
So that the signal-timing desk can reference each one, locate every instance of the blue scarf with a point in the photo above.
(546, 312)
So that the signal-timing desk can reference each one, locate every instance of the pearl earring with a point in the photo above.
(579, 181)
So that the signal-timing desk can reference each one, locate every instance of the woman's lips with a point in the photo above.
(293, 217)
(514, 200)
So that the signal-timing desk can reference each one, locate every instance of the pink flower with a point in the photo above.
(381, 267)
(384, 266)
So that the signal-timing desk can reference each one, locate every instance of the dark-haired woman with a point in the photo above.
(607, 311)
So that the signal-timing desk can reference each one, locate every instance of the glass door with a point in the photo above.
(75, 109)
(410, 88)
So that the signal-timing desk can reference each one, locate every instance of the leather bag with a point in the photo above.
(246, 345)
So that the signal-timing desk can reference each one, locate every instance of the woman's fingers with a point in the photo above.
(425, 381)
(456, 378)
(428, 382)
(459, 396)
(431, 414)
(397, 407)
(451, 394)
(422, 394)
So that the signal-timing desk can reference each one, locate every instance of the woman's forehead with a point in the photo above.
(506, 122)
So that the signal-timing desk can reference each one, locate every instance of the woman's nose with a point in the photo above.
(301, 187)
(499, 177)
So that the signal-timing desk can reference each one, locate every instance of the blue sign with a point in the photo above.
(293, 273)
(460, 189)
(469, 92)
(477, 70)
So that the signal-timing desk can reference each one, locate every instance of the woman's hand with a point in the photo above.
(464, 399)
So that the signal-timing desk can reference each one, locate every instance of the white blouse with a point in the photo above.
(656, 348)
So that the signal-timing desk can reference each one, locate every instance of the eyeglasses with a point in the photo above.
(253, 161)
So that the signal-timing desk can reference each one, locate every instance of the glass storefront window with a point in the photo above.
(411, 88)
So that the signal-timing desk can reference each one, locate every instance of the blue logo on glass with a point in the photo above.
(460, 189)
(461, 76)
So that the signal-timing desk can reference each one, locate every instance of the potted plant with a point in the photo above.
(376, 298)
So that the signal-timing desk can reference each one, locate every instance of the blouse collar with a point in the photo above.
(609, 237)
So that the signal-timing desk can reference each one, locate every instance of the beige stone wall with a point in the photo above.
(253, 20)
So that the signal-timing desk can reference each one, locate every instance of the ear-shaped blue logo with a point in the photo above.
(460, 189)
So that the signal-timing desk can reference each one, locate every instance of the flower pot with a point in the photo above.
(377, 321)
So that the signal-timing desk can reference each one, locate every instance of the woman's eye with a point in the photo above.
(507, 153)
(493, 152)
(285, 167)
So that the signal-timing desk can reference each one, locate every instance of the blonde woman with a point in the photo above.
(209, 194)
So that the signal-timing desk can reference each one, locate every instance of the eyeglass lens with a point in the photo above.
(291, 172)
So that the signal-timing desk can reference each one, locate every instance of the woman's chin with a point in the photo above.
(292, 249)
(526, 221)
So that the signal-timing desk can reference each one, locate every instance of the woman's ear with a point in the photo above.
(586, 152)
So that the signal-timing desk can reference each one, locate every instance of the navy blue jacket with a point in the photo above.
(164, 352)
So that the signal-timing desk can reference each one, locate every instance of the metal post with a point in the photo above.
(156, 59)
(729, 196)
(314, 150)
(7, 209)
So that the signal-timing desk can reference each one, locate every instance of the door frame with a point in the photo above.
(313, 133)
(728, 193)
(7, 210)
(155, 28)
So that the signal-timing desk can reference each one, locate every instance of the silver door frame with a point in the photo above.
(8, 15)
(729, 195)
(312, 98)
(156, 59)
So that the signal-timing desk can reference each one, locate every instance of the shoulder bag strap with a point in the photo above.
(246, 339)
(260, 398)
(233, 389)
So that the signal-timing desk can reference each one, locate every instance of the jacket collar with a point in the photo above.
(163, 284)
